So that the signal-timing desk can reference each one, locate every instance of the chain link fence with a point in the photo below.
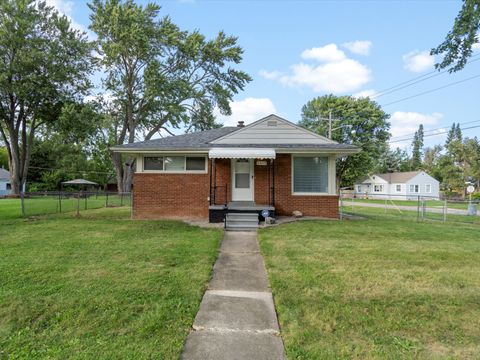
(52, 202)
(420, 208)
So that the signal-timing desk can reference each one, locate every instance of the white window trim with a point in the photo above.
(429, 187)
(414, 186)
(329, 181)
(142, 167)
(396, 188)
(380, 187)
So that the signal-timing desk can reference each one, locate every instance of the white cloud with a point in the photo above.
(404, 124)
(476, 46)
(359, 47)
(335, 77)
(247, 110)
(336, 73)
(270, 75)
(365, 93)
(418, 61)
(327, 53)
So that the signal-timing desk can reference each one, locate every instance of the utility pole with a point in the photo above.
(330, 124)
(331, 120)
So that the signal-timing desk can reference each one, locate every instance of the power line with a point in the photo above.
(432, 90)
(430, 130)
(417, 80)
(413, 83)
(436, 134)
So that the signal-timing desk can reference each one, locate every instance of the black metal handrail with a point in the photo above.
(214, 191)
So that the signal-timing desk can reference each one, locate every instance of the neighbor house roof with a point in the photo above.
(396, 177)
(206, 140)
(4, 174)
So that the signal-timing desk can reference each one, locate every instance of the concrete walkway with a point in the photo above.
(237, 318)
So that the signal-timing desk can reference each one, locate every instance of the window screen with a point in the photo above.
(152, 163)
(310, 174)
(195, 163)
(174, 163)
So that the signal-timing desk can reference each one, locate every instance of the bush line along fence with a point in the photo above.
(51, 202)
(414, 208)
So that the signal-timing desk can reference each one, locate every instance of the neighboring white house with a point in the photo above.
(401, 185)
(5, 187)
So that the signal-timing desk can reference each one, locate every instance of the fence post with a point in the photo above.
(341, 205)
(60, 202)
(131, 204)
(22, 197)
(78, 204)
(445, 209)
(418, 208)
(85, 201)
(385, 206)
(121, 199)
(424, 209)
(106, 199)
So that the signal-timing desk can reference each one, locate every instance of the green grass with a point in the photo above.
(100, 286)
(376, 288)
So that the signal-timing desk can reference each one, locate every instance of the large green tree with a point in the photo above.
(361, 122)
(43, 63)
(417, 149)
(393, 161)
(160, 76)
(458, 44)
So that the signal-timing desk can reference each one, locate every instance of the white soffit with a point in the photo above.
(241, 153)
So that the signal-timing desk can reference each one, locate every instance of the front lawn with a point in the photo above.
(100, 286)
(376, 289)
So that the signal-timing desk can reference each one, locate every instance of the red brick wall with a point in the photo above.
(157, 196)
(186, 195)
(285, 202)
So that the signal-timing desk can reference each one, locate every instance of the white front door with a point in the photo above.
(242, 180)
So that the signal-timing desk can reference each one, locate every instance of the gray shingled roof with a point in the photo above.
(201, 141)
(4, 174)
(398, 177)
(193, 141)
(394, 178)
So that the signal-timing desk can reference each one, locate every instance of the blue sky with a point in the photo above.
(297, 50)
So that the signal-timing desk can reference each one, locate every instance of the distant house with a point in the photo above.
(400, 185)
(5, 186)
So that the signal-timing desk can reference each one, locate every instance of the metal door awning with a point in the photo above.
(241, 153)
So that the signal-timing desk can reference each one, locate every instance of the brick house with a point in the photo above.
(271, 165)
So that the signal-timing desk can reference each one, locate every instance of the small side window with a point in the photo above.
(153, 163)
(195, 163)
(174, 163)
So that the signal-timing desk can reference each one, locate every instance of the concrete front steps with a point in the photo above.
(241, 221)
